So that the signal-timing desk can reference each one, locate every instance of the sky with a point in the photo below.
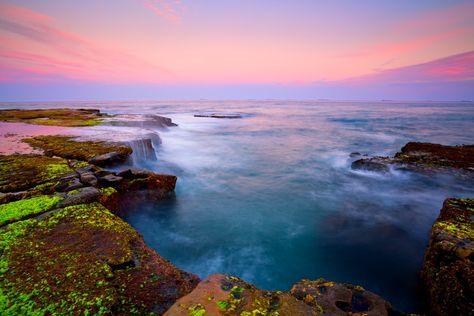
(236, 49)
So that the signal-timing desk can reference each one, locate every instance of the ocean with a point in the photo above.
(271, 197)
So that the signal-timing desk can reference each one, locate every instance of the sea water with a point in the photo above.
(271, 197)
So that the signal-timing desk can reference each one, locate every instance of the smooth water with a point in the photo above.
(271, 197)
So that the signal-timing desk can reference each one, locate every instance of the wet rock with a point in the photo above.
(221, 116)
(340, 299)
(146, 185)
(355, 154)
(377, 164)
(88, 179)
(68, 183)
(141, 120)
(448, 268)
(110, 180)
(163, 121)
(80, 196)
(424, 157)
(81, 260)
(96, 152)
(108, 159)
(226, 295)
(461, 157)
(56, 117)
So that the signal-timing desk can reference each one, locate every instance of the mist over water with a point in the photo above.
(271, 197)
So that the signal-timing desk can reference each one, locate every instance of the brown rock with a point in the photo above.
(225, 295)
(340, 299)
(448, 268)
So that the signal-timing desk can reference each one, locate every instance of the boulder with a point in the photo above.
(88, 178)
(460, 157)
(340, 299)
(107, 159)
(226, 295)
(377, 164)
(448, 269)
(81, 196)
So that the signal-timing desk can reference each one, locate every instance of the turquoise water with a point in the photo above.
(271, 197)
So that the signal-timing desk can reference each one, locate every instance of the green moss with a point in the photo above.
(54, 170)
(23, 172)
(197, 310)
(53, 117)
(18, 210)
(44, 272)
(222, 305)
(458, 229)
(108, 191)
(67, 147)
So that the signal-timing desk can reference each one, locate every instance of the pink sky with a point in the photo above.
(173, 42)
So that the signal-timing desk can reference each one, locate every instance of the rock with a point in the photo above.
(146, 185)
(68, 183)
(24, 209)
(57, 117)
(423, 157)
(340, 299)
(448, 269)
(110, 180)
(88, 179)
(24, 172)
(226, 295)
(163, 121)
(81, 196)
(354, 154)
(108, 159)
(221, 116)
(377, 164)
(460, 157)
(141, 120)
(96, 152)
(83, 260)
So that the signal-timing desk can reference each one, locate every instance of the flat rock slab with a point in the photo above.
(220, 116)
(84, 260)
(97, 152)
(53, 117)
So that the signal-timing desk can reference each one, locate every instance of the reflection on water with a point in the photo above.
(271, 197)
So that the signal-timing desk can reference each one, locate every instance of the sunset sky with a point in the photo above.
(172, 49)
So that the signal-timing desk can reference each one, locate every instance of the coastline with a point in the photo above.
(239, 295)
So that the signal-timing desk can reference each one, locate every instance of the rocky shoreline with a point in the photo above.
(65, 250)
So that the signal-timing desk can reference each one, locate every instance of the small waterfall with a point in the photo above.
(144, 148)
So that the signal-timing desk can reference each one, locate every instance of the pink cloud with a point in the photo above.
(168, 9)
(65, 54)
(454, 68)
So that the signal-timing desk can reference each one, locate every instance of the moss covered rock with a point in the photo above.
(18, 210)
(422, 157)
(340, 299)
(67, 147)
(225, 295)
(448, 268)
(23, 172)
(83, 260)
(55, 117)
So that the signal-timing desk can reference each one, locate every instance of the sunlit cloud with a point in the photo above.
(168, 9)
(456, 68)
(65, 54)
